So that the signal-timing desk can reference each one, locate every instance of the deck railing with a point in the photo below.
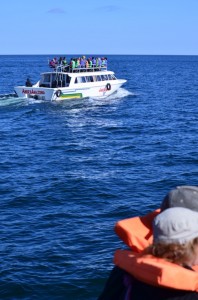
(69, 69)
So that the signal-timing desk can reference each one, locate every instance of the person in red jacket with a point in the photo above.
(120, 282)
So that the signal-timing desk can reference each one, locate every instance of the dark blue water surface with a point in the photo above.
(70, 170)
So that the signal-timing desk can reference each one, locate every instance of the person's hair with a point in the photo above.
(177, 253)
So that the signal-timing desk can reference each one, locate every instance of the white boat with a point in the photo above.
(66, 83)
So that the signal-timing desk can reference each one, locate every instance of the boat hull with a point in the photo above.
(50, 94)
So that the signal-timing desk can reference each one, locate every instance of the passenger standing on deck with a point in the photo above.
(96, 62)
(104, 62)
(64, 61)
(90, 63)
(28, 82)
(77, 63)
(72, 64)
(53, 63)
(60, 60)
(64, 64)
(82, 62)
(99, 62)
(93, 62)
(87, 63)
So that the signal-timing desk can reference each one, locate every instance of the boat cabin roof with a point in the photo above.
(78, 74)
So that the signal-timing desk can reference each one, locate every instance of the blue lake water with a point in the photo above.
(70, 170)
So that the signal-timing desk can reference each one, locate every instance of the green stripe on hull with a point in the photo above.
(71, 96)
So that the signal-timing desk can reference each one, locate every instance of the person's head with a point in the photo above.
(182, 196)
(175, 236)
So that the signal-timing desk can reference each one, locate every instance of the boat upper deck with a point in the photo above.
(78, 64)
(69, 69)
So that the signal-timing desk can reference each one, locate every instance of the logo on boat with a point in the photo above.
(33, 92)
(103, 89)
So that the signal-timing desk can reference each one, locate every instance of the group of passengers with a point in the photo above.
(54, 62)
(79, 63)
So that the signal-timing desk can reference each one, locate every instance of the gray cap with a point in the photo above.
(182, 196)
(175, 225)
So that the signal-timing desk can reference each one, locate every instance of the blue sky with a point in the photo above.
(99, 27)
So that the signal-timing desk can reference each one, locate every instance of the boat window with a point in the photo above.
(46, 78)
(104, 77)
(80, 79)
(63, 80)
(68, 79)
(54, 84)
(60, 79)
(99, 78)
(53, 77)
(89, 78)
(113, 77)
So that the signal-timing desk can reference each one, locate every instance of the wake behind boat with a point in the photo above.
(72, 82)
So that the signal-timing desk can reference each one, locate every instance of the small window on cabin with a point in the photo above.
(99, 78)
(63, 80)
(82, 79)
(68, 78)
(46, 78)
(91, 78)
(60, 77)
(79, 79)
(54, 77)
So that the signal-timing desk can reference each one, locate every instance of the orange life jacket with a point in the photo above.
(156, 271)
(137, 232)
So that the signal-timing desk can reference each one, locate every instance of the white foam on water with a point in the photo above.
(6, 101)
(11, 99)
(119, 94)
